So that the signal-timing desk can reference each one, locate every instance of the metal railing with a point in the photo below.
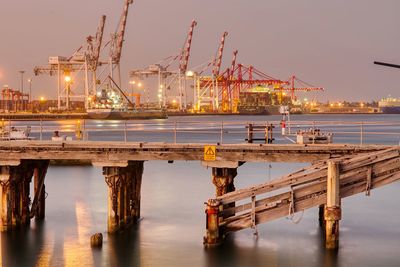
(354, 132)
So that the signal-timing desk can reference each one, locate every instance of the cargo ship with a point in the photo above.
(124, 114)
(389, 105)
(112, 104)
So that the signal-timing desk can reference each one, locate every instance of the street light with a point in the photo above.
(68, 81)
(30, 89)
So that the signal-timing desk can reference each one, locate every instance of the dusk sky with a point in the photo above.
(327, 43)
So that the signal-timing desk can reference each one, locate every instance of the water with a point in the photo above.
(173, 221)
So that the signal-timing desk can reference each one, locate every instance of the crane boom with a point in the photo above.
(99, 40)
(218, 61)
(119, 35)
(185, 54)
(233, 64)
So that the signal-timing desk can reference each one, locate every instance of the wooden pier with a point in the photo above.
(360, 168)
(323, 183)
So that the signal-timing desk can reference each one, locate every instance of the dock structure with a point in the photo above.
(359, 168)
(323, 183)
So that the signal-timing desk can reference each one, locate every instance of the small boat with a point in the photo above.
(313, 136)
(15, 134)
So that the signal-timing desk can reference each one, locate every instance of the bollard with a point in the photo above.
(78, 131)
(212, 237)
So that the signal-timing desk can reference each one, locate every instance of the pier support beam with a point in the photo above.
(124, 185)
(332, 211)
(223, 179)
(15, 179)
(39, 204)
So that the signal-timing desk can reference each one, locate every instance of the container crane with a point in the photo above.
(218, 60)
(185, 54)
(183, 63)
(117, 40)
(305, 87)
(81, 60)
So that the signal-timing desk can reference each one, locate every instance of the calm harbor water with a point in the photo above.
(173, 221)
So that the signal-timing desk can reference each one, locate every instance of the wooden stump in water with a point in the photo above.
(96, 240)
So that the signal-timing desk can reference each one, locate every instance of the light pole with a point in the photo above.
(30, 89)
(68, 82)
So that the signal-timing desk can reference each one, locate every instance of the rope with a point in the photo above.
(291, 209)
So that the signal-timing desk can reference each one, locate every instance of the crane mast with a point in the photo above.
(218, 61)
(185, 54)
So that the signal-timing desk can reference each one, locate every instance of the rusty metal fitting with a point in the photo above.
(333, 213)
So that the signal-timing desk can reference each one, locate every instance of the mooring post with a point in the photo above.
(250, 133)
(124, 185)
(212, 237)
(332, 210)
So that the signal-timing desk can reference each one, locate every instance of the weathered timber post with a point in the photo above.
(124, 185)
(213, 236)
(321, 215)
(223, 179)
(250, 133)
(332, 210)
(39, 175)
(15, 178)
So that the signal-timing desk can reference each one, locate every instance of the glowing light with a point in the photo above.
(173, 101)
(161, 86)
(132, 82)
(159, 95)
(189, 73)
(139, 84)
(42, 98)
(67, 79)
(331, 105)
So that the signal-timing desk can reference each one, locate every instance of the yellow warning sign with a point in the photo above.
(210, 153)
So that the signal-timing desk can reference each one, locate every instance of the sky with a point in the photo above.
(327, 43)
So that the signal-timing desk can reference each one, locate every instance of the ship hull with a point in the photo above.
(126, 115)
(390, 110)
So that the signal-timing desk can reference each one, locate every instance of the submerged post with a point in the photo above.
(332, 212)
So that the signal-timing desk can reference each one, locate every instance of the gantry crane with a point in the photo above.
(82, 60)
(208, 87)
(168, 78)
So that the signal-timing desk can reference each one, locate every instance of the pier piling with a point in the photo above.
(332, 212)
(124, 185)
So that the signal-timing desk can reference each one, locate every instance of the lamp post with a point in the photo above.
(68, 82)
(132, 83)
(30, 89)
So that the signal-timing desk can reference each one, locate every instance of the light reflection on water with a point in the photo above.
(173, 224)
